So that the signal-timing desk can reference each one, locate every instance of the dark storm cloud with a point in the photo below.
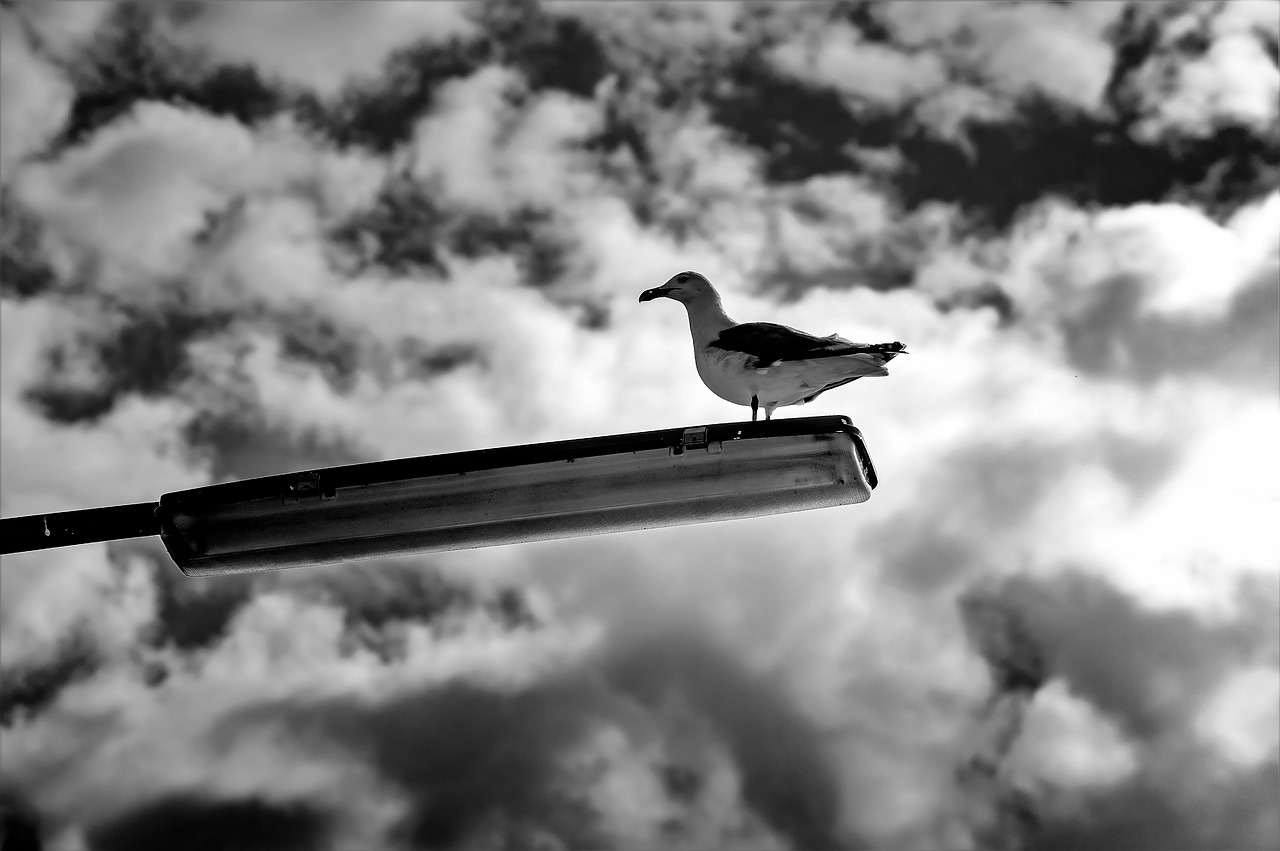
(194, 613)
(400, 232)
(786, 776)
(1006, 817)
(379, 596)
(801, 131)
(999, 163)
(127, 351)
(24, 270)
(318, 340)
(473, 759)
(996, 168)
(467, 756)
(410, 230)
(1000, 167)
(28, 688)
(375, 597)
(532, 236)
(20, 825)
(552, 52)
(1113, 337)
(1004, 641)
(131, 57)
(237, 443)
(381, 115)
(1149, 670)
(1237, 812)
(209, 824)
(343, 355)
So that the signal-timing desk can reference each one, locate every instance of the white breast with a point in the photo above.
(726, 374)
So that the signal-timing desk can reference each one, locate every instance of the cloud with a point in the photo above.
(1054, 617)
(1241, 717)
(871, 73)
(963, 61)
(133, 455)
(1066, 743)
(37, 96)
(1185, 280)
(191, 746)
(304, 58)
(1150, 815)
(1131, 760)
(1140, 292)
(186, 167)
(1056, 51)
(571, 758)
(1169, 661)
(996, 54)
(248, 824)
(1212, 67)
(537, 754)
(18, 819)
(63, 28)
(487, 157)
(136, 169)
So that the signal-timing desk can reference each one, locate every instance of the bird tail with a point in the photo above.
(841, 346)
(878, 354)
(888, 350)
(858, 361)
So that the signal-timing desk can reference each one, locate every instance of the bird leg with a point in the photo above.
(755, 407)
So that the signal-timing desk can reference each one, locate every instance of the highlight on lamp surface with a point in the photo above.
(500, 496)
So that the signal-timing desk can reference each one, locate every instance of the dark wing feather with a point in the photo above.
(770, 343)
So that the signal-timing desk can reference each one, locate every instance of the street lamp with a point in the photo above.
(485, 497)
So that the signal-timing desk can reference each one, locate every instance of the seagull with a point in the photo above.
(762, 364)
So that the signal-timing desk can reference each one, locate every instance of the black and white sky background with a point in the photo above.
(242, 239)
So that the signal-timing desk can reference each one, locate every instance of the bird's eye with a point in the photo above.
(682, 279)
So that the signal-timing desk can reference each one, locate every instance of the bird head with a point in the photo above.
(685, 287)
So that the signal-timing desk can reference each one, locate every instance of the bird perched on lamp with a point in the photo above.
(763, 364)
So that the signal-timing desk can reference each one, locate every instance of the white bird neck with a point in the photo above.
(707, 319)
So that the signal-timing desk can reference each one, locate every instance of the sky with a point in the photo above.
(246, 239)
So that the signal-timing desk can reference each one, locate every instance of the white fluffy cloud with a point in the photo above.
(878, 74)
(1069, 744)
(1194, 266)
(137, 195)
(950, 65)
(302, 49)
(1009, 50)
(1232, 81)
(1241, 718)
(487, 156)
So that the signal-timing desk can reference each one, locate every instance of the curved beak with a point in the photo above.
(656, 292)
